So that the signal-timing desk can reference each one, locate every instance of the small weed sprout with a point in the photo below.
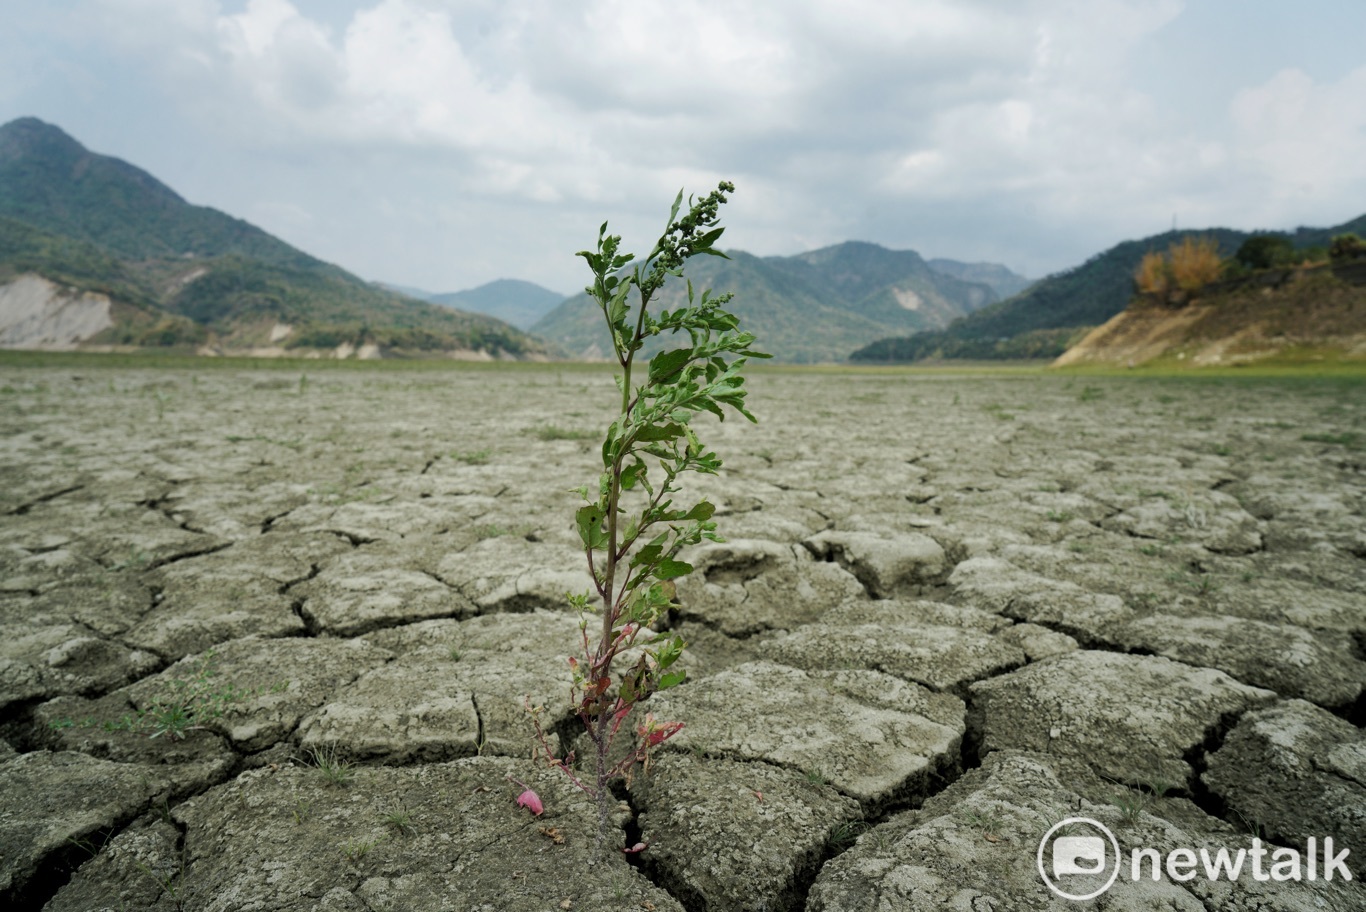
(334, 768)
(847, 833)
(631, 530)
(551, 432)
(473, 457)
(1132, 803)
(356, 850)
(187, 704)
(400, 821)
(988, 823)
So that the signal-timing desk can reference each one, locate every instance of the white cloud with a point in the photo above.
(961, 128)
(1302, 142)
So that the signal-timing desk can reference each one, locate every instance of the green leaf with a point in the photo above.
(649, 554)
(660, 432)
(672, 679)
(703, 510)
(673, 569)
(589, 519)
(665, 364)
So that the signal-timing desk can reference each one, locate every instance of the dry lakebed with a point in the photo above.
(266, 638)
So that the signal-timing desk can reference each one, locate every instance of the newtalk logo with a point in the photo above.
(1080, 859)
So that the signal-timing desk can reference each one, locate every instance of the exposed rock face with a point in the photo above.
(36, 313)
(269, 644)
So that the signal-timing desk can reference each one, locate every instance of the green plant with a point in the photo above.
(551, 432)
(1132, 803)
(356, 850)
(1346, 247)
(988, 823)
(631, 531)
(473, 457)
(185, 704)
(400, 821)
(1266, 251)
(1158, 786)
(1346, 439)
(334, 768)
(847, 833)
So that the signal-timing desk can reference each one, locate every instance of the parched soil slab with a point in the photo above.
(188, 724)
(267, 685)
(392, 522)
(897, 638)
(1289, 660)
(1132, 718)
(975, 846)
(455, 689)
(363, 590)
(1212, 518)
(243, 590)
(508, 573)
(42, 657)
(996, 585)
(1038, 642)
(1296, 770)
(446, 836)
(735, 837)
(746, 586)
(137, 869)
(884, 564)
(874, 737)
(55, 801)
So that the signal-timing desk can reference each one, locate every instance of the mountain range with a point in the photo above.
(1048, 316)
(102, 251)
(98, 230)
(513, 301)
(813, 307)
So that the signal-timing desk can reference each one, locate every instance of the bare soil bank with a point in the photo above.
(1314, 312)
(954, 610)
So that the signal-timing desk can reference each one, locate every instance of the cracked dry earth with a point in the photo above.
(953, 611)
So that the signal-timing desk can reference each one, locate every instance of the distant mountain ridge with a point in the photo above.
(812, 307)
(1042, 320)
(179, 274)
(510, 300)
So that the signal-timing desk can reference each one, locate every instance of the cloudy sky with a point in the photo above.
(446, 143)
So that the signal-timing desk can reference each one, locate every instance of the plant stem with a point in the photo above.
(603, 660)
